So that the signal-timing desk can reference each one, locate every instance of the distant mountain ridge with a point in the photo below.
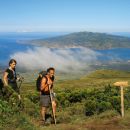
(85, 39)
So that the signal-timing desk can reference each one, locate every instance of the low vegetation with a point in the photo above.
(90, 102)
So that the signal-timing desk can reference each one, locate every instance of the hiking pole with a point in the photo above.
(54, 116)
(20, 80)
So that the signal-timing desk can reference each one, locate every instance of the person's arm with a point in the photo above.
(5, 79)
(43, 84)
(51, 86)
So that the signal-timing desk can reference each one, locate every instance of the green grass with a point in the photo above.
(71, 114)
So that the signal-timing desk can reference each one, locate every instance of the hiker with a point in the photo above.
(10, 77)
(46, 82)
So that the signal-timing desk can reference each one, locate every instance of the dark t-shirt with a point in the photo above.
(12, 80)
(11, 76)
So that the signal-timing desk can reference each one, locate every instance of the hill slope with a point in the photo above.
(74, 98)
(85, 39)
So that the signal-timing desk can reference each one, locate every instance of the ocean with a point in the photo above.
(9, 45)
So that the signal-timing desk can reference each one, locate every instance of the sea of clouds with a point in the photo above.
(62, 59)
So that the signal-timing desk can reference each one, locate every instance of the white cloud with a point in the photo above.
(68, 59)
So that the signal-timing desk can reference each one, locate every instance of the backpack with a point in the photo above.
(1, 84)
(39, 79)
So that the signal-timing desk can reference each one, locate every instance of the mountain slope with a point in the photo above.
(85, 39)
(95, 89)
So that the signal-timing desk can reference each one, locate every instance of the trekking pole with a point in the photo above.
(20, 80)
(19, 86)
(54, 117)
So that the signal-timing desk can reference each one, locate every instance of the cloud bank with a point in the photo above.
(65, 60)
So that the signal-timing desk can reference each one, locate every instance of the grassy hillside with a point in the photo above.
(85, 39)
(90, 102)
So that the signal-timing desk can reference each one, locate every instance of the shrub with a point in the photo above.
(33, 97)
(115, 101)
(103, 106)
(90, 107)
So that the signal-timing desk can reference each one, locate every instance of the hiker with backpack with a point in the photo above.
(10, 78)
(46, 93)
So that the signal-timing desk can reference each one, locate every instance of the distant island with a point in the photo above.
(84, 39)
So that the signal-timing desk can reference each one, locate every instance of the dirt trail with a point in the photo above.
(113, 124)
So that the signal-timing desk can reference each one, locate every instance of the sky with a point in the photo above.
(64, 15)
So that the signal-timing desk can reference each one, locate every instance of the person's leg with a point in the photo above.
(44, 103)
(54, 107)
(43, 112)
(16, 89)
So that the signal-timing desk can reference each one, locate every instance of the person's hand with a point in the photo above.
(18, 78)
(50, 82)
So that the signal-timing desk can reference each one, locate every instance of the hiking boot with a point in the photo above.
(42, 122)
(48, 121)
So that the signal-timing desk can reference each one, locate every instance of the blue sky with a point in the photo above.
(64, 15)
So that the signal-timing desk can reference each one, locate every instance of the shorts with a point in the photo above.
(45, 100)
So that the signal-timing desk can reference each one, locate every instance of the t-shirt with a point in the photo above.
(11, 75)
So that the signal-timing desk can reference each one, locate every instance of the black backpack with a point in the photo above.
(1, 84)
(39, 79)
